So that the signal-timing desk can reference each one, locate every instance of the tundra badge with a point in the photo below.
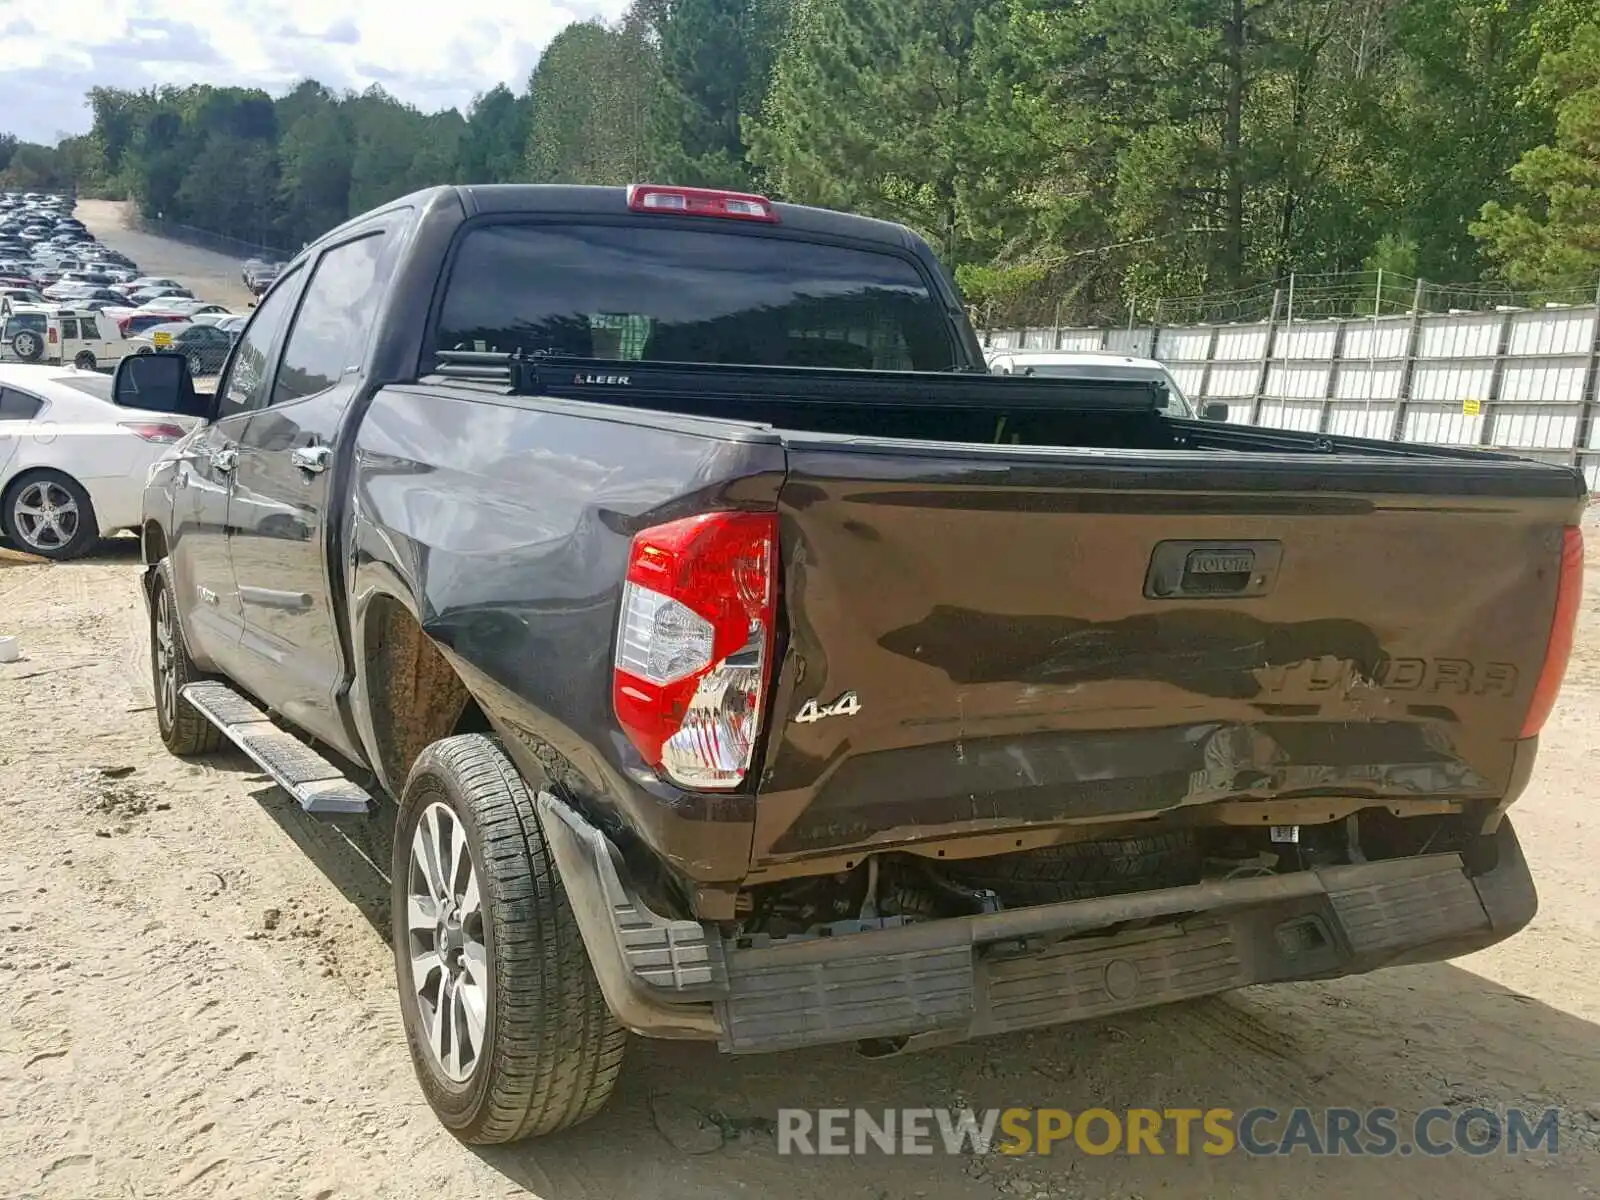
(847, 705)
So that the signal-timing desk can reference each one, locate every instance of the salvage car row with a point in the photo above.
(66, 299)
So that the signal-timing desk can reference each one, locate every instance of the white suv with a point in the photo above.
(66, 336)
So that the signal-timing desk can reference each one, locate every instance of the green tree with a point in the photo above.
(494, 146)
(880, 106)
(314, 156)
(716, 64)
(591, 96)
(1553, 237)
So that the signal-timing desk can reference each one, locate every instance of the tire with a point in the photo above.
(1085, 870)
(84, 361)
(184, 732)
(28, 346)
(69, 532)
(548, 1049)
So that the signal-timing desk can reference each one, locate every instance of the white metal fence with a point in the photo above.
(1523, 381)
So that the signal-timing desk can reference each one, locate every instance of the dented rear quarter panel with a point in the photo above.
(503, 524)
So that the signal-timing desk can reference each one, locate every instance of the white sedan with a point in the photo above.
(72, 464)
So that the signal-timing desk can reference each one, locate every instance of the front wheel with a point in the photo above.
(183, 730)
(508, 1031)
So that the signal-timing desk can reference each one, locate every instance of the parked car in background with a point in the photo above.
(50, 334)
(72, 464)
(205, 346)
(12, 296)
(1094, 364)
(134, 322)
(146, 295)
(187, 308)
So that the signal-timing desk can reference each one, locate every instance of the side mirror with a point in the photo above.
(159, 383)
(1214, 410)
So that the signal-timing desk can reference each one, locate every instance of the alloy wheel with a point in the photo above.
(164, 648)
(46, 515)
(445, 931)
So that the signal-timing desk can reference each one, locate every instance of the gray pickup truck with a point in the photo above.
(746, 664)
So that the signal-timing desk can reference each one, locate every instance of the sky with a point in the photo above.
(427, 54)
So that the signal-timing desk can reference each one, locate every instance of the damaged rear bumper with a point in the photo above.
(962, 977)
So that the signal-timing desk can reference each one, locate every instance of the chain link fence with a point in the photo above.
(217, 243)
(1348, 295)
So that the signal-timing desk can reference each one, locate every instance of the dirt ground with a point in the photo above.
(196, 998)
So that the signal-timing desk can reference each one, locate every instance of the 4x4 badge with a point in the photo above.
(847, 705)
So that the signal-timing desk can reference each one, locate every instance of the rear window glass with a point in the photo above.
(98, 386)
(670, 295)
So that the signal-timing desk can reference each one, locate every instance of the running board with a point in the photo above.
(319, 786)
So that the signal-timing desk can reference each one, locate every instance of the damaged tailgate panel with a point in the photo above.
(989, 639)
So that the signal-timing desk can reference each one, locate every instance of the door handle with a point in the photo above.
(225, 459)
(311, 459)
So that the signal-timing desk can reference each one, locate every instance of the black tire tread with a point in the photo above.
(1086, 870)
(557, 1050)
(191, 734)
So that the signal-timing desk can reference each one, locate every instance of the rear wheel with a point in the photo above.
(508, 1031)
(184, 731)
(49, 514)
(84, 361)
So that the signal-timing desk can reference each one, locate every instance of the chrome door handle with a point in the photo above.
(311, 459)
(225, 460)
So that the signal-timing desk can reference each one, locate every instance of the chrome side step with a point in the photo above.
(319, 786)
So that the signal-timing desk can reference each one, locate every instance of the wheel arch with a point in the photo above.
(153, 544)
(410, 694)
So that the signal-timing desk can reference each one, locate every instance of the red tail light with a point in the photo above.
(1569, 594)
(701, 202)
(694, 645)
(154, 431)
(52, 335)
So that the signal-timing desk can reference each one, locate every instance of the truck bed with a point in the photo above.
(1034, 636)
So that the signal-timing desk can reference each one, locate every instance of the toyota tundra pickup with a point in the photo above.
(744, 663)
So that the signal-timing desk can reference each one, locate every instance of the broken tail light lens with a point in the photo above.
(695, 643)
(1569, 595)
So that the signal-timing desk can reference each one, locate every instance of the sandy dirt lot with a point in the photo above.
(210, 276)
(196, 997)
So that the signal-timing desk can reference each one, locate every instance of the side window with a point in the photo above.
(69, 329)
(88, 328)
(330, 331)
(18, 406)
(248, 381)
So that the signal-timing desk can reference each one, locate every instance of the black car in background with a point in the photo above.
(205, 346)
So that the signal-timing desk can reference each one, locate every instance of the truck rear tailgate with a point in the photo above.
(990, 638)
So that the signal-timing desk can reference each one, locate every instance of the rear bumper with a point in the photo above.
(948, 980)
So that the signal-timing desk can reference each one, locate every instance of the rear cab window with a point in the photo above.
(666, 294)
